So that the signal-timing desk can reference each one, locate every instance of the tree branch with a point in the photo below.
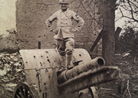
(131, 10)
(121, 12)
(88, 12)
(133, 4)
(90, 2)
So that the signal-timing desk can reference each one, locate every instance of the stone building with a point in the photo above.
(32, 14)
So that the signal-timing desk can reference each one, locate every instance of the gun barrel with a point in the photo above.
(86, 75)
(77, 70)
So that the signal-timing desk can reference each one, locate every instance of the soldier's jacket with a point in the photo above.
(64, 23)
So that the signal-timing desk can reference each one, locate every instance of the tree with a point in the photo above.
(108, 41)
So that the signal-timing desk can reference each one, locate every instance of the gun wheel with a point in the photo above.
(88, 93)
(23, 91)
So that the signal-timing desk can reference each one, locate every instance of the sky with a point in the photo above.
(8, 16)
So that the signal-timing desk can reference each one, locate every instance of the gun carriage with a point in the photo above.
(44, 81)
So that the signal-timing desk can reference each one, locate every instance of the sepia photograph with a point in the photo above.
(68, 49)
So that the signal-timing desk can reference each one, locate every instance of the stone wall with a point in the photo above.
(31, 16)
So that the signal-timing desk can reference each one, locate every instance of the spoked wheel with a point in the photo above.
(93, 92)
(23, 91)
(88, 93)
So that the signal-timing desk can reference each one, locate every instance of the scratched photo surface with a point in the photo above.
(68, 48)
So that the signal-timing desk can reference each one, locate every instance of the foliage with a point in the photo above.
(128, 11)
(126, 40)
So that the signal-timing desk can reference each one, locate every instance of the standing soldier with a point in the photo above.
(64, 34)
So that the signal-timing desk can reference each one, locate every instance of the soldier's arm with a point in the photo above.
(79, 20)
(49, 21)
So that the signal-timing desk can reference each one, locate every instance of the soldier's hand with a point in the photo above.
(55, 31)
(51, 30)
(73, 30)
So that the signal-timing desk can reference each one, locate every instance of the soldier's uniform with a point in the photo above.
(64, 33)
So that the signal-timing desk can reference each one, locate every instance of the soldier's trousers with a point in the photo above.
(65, 46)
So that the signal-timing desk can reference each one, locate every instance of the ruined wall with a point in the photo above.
(31, 16)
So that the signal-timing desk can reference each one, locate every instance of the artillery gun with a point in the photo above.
(44, 81)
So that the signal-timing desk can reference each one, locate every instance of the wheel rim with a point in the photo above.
(23, 91)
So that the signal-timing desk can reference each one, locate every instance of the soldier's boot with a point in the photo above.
(62, 68)
(68, 63)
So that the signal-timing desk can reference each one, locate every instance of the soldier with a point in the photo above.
(64, 33)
